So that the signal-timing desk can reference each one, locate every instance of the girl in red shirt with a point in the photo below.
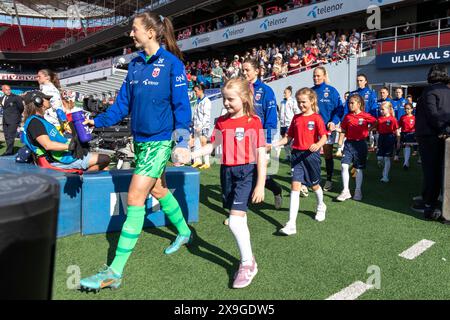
(309, 134)
(408, 133)
(355, 127)
(388, 130)
(243, 169)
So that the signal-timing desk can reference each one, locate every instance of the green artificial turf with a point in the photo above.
(320, 260)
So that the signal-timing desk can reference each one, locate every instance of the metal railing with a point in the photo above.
(374, 39)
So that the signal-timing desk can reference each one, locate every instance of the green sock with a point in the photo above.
(172, 210)
(128, 238)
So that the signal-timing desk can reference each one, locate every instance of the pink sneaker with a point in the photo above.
(245, 275)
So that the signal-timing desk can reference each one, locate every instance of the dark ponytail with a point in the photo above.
(163, 28)
(169, 37)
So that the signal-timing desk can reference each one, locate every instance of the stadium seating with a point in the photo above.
(36, 38)
(413, 43)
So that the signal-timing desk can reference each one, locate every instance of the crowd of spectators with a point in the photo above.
(276, 61)
(241, 16)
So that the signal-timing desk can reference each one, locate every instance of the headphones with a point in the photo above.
(38, 101)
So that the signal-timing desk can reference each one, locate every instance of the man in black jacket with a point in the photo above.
(12, 115)
(432, 128)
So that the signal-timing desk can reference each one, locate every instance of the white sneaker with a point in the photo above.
(385, 180)
(289, 229)
(328, 186)
(345, 195)
(278, 201)
(358, 195)
(320, 212)
(226, 221)
(396, 158)
(304, 192)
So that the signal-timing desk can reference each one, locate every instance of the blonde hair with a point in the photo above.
(359, 100)
(325, 73)
(312, 96)
(243, 88)
(389, 106)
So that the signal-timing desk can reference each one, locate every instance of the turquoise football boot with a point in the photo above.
(176, 245)
(105, 278)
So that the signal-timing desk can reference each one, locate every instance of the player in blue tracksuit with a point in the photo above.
(155, 94)
(384, 93)
(369, 95)
(370, 100)
(399, 108)
(266, 109)
(330, 109)
(399, 103)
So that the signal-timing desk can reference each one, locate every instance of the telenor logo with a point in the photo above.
(317, 11)
(195, 42)
(273, 22)
(229, 33)
(313, 12)
(264, 25)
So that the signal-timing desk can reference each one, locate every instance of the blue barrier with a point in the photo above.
(69, 216)
(104, 199)
(96, 202)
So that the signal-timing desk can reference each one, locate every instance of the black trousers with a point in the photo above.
(432, 153)
(10, 132)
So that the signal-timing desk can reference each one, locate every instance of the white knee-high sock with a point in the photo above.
(319, 195)
(239, 228)
(206, 158)
(387, 167)
(293, 207)
(345, 177)
(197, 146)
(407, 154)
(359, 179)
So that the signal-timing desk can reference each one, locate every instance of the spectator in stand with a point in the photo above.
(294, 64)
(250, 14)
(277, 68)
(262, 72)
(285, 69)
(219, 24)
(217, 75)
(209, 27)
(235, 18)
(259, 11)
(342, 44)
(254, 54)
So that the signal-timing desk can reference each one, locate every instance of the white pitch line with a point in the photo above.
(417, 249)
(352, 292)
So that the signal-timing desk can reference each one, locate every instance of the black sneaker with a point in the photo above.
(432, 214)
(405, 167)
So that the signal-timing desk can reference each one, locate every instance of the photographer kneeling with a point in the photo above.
(43, 139)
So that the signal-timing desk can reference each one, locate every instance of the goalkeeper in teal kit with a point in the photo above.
(155, 94)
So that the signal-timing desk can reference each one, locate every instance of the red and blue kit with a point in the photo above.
(356, 126)
(306, 130)
(240, 139)
(408, 126)
(408, 123)
(387, 126)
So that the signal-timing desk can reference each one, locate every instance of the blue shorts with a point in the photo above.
(82, 164)
(283, 131)
(306, 167)
(355, 151)
(386, 145)
(237, 184)
(408, 137)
